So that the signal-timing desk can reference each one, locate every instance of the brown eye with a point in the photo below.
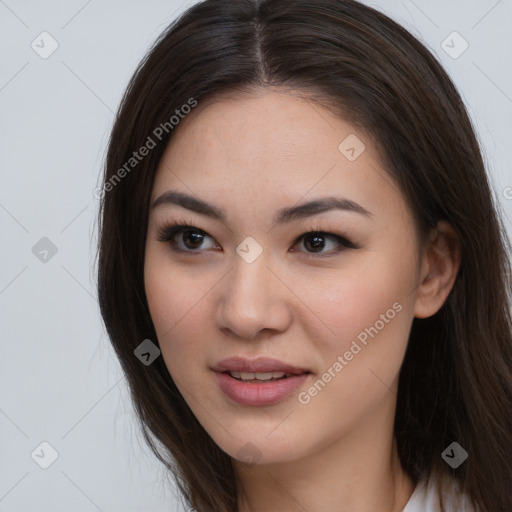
(192, 239)
(314, 242)
(189, 239)
(183, 238)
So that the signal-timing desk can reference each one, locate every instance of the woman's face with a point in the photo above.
(333, 313)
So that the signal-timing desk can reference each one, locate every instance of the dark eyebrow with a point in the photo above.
(282, 216)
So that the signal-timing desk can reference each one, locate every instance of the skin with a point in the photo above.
(253, 155)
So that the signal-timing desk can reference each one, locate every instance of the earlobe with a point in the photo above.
(439, 267)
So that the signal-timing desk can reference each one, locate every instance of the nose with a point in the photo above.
(253, 299)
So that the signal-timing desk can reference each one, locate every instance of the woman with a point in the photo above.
(296, 215)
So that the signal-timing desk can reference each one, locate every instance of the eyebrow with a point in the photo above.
(282, 216)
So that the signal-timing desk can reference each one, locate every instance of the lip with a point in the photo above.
(260, 365)
(255, 393)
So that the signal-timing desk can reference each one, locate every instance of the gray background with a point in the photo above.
(59, 379)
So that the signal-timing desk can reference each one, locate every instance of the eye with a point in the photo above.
(315, 242)
(189, 239)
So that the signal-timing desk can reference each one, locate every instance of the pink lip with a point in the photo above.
(255, 393)
(260, 365)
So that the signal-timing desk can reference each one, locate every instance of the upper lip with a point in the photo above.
(259, 365)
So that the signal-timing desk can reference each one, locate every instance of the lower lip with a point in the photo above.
(254, 393)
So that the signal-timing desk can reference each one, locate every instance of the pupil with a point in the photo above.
(195, 237)
(318, 241)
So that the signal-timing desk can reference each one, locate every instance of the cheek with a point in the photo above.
(370, 309)
(370, 313)
(172, 291)
(179, 308)
(364, 295)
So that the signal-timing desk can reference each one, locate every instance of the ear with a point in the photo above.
(439, 266)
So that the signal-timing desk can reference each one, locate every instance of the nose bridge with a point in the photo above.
(250, 302)
(248, 286)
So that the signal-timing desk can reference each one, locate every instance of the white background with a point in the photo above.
(59, 379)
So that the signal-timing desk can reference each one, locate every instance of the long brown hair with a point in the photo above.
(455, 383)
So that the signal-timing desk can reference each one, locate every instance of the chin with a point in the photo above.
(257, 444)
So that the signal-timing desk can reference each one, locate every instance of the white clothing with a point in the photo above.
(424, 499)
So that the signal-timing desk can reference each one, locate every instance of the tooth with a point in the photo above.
(250, 376)
(264, 376)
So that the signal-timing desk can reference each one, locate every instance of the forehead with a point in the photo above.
(267, 148)
(276, 128)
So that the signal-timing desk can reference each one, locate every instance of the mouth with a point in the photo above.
(262, 368)
(261, 381)
(259, 377)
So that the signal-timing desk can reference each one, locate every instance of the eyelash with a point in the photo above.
(168, 232)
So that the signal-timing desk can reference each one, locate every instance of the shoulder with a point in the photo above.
(425, 499)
